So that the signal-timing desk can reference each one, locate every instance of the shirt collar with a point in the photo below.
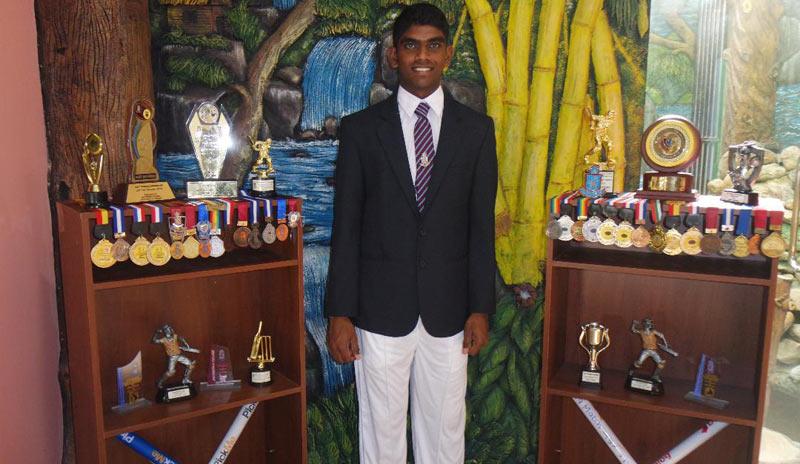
(408, 102)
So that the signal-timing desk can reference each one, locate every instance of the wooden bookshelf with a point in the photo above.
(111, 314)
(703, 304)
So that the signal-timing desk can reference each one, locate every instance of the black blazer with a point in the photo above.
(390, 264)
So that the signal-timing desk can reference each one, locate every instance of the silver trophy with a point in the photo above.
(744, 165)
(210, 132)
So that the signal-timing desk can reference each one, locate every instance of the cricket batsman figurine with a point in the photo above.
(652, 342)
(174, 346)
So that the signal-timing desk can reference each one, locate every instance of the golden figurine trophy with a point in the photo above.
(263, 184)
(596, 337)
(600, 153)
(146, 185)
(261, 355)
(93, 157)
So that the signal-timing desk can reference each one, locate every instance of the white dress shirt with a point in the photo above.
(407, 103)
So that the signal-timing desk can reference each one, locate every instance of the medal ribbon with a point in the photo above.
(202, 212)
(101, 216)
(228, 211)
(641, 211)
(119, 220)
(191, 216)
(776, 220)
(674, 209)
(622, 200)
(253, 210)
(760, 220)
(712, 218)
(281, 214)
(216, 218)
(655, 212)
(743, 226)
(268, 209)
(138, 213)
(727, 220)
(241, 213)
(693, 208)
(156, 214)
(583, 208)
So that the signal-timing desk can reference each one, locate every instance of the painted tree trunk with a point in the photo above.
(95, 59)
(750, 59)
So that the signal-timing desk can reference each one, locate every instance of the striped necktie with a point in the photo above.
(425, 152)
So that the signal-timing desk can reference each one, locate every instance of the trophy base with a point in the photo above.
(715, 403)
(644, 384)
(740, 198)
(590, 379)
(140, 192)
(262, 188)
(667, 186)
(228, 385)
(173, 393)
(96, 199)
(199, 189)
(260, 377)
(128, 407)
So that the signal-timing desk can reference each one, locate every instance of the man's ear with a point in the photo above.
(450, 51)
(393, 63)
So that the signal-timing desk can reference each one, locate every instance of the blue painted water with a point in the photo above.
(337, 78)
(284, 4)
(787, 115)
(315, 268)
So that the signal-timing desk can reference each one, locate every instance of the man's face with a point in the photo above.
(420, 57)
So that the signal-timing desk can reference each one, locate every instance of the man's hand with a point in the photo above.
(476, 333)
(342, 340)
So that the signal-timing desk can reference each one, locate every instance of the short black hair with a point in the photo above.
(420, 14)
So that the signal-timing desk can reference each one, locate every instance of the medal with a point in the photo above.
(640, 236)
(710, 243)
(690, 241)
(138, 251)
(774, 245)
(158, 253)
(282, 231)
(726, 245)
(268, 235)
(242, 232)
(254, 239)
(227, 229)
(176, 250)
(743, 228)
(591, 225)
(657, 239)
(101, 254)
(293, 218)
(191, 247)
(121, 247)
(203, 226)
(623, 236)
(608, 228)
(177, 225)
(672, 238)
(217, 245)
(759, 230)
(582, 214)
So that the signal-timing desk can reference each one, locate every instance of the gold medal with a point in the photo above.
(640, 237)
(101, 254)
(606, 232)
(690, 241)
(158, 253)
(754, 245)
(623, 235)
(657, 239)
(176, 250)
(740, 248)
(672, 242)
(138, 251)
(773, 245)
(577, 231)
(191, 248)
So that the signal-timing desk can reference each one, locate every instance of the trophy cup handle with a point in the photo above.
(581, 337)
(606, 339)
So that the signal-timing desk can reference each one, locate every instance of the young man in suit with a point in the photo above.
(411, 280)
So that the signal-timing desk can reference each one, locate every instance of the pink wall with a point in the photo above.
(30, 401)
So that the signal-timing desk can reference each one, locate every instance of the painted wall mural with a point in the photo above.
(291, 69)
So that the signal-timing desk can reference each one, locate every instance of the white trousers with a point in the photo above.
(436, 370)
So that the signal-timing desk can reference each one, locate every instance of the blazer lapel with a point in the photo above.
(390, 134)
(446, 149)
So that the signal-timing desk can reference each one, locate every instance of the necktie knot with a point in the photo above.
(422, 110)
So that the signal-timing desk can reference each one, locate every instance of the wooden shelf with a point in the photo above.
(741, 410)
(181, 270)
(206, 402)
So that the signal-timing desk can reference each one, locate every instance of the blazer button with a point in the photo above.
(422, 264)
(423, 233)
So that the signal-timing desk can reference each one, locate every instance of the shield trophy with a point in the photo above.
(210, 132)
(744, 165)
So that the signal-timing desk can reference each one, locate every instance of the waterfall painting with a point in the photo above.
(291, 69)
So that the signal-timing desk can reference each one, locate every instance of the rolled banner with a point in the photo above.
(692, 442)
(605, 432)
(227, 443)
(145, 449)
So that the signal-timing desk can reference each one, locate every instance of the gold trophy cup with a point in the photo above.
(92, 158)
(261, 355)
(594, 339)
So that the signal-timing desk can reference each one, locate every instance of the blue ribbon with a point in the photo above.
(743, 226)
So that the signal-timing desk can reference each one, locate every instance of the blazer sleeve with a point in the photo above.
(348, 203)
(482, 264)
